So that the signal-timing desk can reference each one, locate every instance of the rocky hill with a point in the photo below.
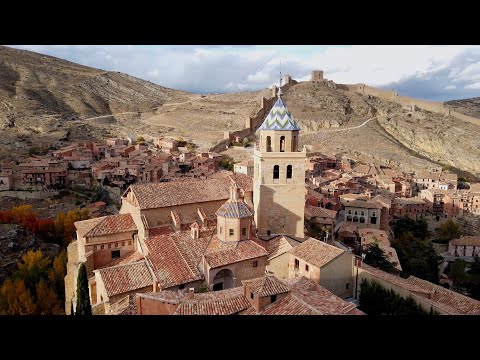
(466, 106)
(44, 99)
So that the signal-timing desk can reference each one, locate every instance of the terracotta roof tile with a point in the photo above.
(105, 225)
(464, 304)
(221, 253)
(124, 278)
(312, 211)
(224, 302)
(174, 256)
(279, 245)
(266, 286)
(315, 252)
(158, 195)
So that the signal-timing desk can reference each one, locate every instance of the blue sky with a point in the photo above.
(428, 72)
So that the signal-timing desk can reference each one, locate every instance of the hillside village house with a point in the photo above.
(327, 265)
(465, 246)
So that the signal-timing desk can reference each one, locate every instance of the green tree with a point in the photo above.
(375, 256)
(418, 228)
(376, 300)
(449, 230)
(457, 272)
(83, 297)
(417, 257)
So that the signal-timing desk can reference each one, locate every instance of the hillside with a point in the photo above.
(44, 99)
(466, 106)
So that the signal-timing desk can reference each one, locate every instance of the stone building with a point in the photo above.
(279, 175)
(465, 246)
(327, 265)
(371, 213)
(414, 208)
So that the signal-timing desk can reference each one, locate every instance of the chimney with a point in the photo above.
(190, 294)
(195, 230)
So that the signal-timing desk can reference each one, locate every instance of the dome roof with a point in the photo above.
(279, 118)
(234, 209)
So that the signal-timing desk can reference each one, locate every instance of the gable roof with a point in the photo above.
(105, 225)
(125, 278)
(174, 256)
(316, 252)
(220, 253)
(266, 286)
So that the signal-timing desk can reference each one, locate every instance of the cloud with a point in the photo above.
(429, 72)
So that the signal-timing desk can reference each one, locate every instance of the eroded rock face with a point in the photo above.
(443, 139)
(15, 242)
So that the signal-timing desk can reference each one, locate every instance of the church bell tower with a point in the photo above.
(279, 175)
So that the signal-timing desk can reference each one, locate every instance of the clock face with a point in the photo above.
(276, 223)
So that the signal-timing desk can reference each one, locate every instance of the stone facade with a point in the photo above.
(279, 184)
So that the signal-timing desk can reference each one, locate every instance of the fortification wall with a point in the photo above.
(434, 106)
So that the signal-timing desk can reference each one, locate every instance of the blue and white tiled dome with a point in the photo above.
(279, 118)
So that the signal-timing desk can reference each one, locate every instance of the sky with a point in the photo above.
(428, 72)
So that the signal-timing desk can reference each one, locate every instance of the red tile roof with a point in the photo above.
(279, 245)
(266, 286)
(159, 195)
(175, 256)
(312, 211)
(125, 278)
(463, 304)
(315, 252)
(221, 253)
(105, 225)
(224, 302)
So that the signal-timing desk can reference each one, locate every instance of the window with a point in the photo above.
(269, 144)
(230, 232)
(349, 212)
(101, 247)
(244, 231)
(373, 220)
(255, 263)
(282, 143)
(268, 232)
(347, 286)
(182, 286)
(130, 242)
(123, 243)
(109, 246)
(221, 230)
(115, 254)
(306, 267)
(273, 298)
(116, 245)
(297, 264)
(251, 295)
(289, 171)
(362, 213)
(276, 172)
(355, 219)
(362, 220)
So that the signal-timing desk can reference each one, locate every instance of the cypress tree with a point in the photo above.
(83, 298)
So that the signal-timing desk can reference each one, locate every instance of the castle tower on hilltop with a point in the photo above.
(279, 175)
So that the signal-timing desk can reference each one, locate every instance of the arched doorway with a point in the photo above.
(223, 280)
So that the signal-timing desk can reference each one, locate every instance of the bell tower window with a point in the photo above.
(282, 143)
(269, 144)
(289, 171)
(276, 172)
